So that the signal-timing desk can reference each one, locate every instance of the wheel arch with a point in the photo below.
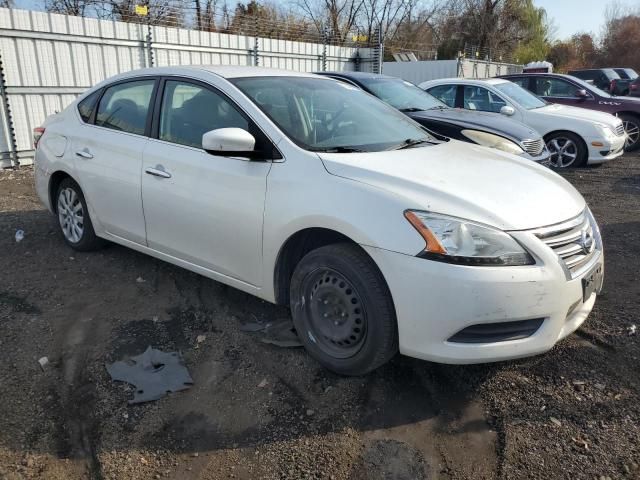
(54, 182)
(556, 132)
(295, 248)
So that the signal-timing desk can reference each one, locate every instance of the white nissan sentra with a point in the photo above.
(307, 192)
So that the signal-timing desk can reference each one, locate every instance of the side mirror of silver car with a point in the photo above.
(508, 110)
(229, 142)
(582, 93)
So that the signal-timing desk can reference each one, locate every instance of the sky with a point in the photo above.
(573, 16)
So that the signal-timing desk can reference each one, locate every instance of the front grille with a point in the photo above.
(533, 147)
(497, 332)
(620, 130)
(573, 241)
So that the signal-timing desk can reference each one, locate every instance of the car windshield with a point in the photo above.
(519, 95)
(319, 114)
(403, 95)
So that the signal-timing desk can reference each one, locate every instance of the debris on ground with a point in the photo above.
(282, 334)
(140, 280)
(555, 421)
(19, 235)
(201, 338)
(632, 329)
(263, 383)
(44, 361)
(153, 373)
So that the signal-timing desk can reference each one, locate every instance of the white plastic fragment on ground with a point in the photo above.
(44, 361)
(19, 235)
(153, 373)
(632, 329)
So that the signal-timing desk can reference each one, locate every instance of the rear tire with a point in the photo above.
(73, 218)
(567, 149)
(342, 309)
(631, 125)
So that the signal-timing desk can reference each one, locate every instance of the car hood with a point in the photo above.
(481, 120)
(579, 114)
(467, 181)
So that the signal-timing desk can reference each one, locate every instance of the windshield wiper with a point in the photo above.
(339, 149)
(439, 107)
(411, 109)
(411, 142)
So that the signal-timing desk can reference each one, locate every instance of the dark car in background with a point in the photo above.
(631, 75)
(606, 79)
(473, 127)
(569, 90)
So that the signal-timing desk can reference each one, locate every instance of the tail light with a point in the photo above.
(37, 135)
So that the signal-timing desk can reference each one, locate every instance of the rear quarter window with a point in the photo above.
(87, 105)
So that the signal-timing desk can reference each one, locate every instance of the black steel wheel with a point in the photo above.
(342, 309)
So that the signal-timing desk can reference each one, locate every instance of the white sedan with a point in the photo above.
(574, 136)
(310, 193)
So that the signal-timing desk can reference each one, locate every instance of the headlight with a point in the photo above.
(494, 141)
(459, 241)
(605, 130)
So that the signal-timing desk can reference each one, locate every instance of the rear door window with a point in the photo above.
(125, 106)
(522, 81)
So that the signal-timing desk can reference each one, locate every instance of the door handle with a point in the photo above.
(158, 172)
(84, 153)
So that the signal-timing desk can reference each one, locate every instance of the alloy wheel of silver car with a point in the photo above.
(563, 150)
(70, 214)
(632, 129)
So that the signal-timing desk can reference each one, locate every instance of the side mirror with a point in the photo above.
(234, 142)
(582, 93)
(508, 110)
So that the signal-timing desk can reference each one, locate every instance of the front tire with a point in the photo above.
(342, 310)
(73, 217)
(631, 125)
(567, 150)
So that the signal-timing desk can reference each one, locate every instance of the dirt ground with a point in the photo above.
(257, 411)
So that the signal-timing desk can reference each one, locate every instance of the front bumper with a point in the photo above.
(613, 147)
(435, 300)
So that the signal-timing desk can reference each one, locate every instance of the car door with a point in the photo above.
(107, 149)
(201, 208)
(559, 90)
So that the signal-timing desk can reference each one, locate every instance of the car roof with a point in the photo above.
(225, 71)
(358, 75)
(477, 81)
(541, 74)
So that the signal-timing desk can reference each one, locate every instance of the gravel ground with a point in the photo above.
(257, 411)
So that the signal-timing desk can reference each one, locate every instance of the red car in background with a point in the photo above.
(568, 90)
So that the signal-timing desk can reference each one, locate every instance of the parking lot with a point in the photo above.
(261, 411)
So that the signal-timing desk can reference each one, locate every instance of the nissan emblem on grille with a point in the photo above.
(586, 242)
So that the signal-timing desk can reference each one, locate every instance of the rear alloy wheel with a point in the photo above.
(73, 217)
(631, 126)
(342, 310)
(567, 150)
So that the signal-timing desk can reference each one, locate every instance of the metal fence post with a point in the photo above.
(149, 42)
(7, 119)
(325, 40)
(378, 51)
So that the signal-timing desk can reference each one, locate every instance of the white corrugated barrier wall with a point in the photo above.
(48, 59)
